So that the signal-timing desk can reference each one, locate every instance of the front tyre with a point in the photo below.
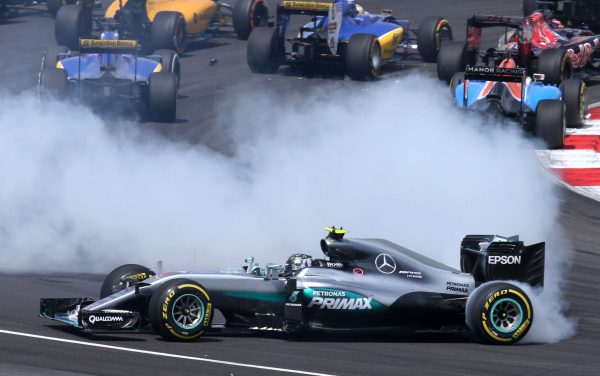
(170, 63)
(433, 33)
(248, 14)
(180, 309)
(117, 279)
(363, 57)
(499, 313)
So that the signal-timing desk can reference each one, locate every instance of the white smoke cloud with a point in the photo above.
(394, 161)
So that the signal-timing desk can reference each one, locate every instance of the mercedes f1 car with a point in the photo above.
(108, 71)
(342, 33)
(360, 284)
(162, 24)
(582, 14)
(540, 45)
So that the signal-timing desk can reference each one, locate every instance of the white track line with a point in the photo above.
(155, 353)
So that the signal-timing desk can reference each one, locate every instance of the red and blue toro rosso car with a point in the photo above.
(109, 72)
(343, 34)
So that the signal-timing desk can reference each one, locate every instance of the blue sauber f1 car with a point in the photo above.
(109, 72)
(358, 284)
(342, 33)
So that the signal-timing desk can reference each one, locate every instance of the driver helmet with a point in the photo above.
(296, 262)
(109, 35)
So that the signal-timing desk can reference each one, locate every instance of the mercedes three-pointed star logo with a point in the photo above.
(385, 263)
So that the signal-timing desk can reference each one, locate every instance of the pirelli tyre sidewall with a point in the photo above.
(180, 310)
(499, 313)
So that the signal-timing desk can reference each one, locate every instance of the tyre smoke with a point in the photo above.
(395, 161)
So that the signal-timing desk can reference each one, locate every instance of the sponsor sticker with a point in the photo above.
(358, 272)
(504, 260)
(95, 318)
(411, 274)
(457, 287)
(385, 263)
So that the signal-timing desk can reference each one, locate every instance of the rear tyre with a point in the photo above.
(51, 56)
(363, 57)
(264, 50)
(499, 313)
(168, 32)
(117, 280)
(573, 91)
(555, 65)
(550, 122)
(162, 96)
(72, 23)
(180, 309)
(53, 82)
(451, 59)
(170, 63)
(248, 14)
(433, 33)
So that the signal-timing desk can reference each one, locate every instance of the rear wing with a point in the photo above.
(106, 46)
(311, 8)
(495, 74)
(492, 258)
(478, 22)
(484, 21)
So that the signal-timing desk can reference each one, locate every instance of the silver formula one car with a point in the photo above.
(360, 284)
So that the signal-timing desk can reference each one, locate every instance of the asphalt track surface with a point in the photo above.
(205, 91)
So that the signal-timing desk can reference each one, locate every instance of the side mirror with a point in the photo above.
(539, 77)
(273, 271)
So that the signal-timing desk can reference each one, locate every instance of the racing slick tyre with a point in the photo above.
(53, 81)
(457, 79)
(51, 56)
(117, 279)
(555, 65)
(248, 14)
(162, 96)
(433, 33)
(573, 91)
(264, 50)
(72, 23)
(451, 59)
(499, 313)
(180, 309)
(551, 122)
(363, 57)
(530, 6)
(53, 7)
(168, 32)
(170, 63)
